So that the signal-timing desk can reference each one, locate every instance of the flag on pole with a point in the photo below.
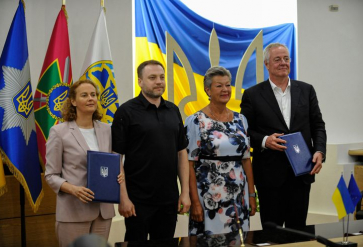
(54, 81)
(18, 141)
(354, 192)
(192, 34)
(98, 67)
(3, 188)
(342, 200)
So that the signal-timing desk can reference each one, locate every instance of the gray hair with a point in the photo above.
(266, 51)
(215, 71)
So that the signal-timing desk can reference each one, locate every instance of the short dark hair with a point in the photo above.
(144, 64)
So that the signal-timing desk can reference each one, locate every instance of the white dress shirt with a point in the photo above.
(284, 102)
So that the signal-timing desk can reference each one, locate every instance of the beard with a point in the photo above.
(152, 94)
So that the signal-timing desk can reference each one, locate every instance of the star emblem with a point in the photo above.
(17, 101)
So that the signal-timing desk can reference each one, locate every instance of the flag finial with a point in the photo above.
(22, 1)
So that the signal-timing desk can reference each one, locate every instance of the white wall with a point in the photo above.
(331, 58)
(83, 14)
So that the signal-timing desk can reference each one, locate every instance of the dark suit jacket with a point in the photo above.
(260, 107)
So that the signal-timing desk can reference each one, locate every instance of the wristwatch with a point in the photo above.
(252, 194)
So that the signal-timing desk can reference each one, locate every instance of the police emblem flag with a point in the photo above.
(18, 141)
(98, 67)
(54, 81)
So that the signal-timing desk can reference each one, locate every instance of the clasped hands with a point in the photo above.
(274, 142)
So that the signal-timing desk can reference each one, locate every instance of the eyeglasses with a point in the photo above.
(280, 60)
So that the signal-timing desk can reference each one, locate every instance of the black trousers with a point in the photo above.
(287, 204)
(159, 221)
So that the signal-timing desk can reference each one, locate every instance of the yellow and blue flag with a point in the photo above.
(98, 67)
(193, 34)
(353, 189)
(18, 140)
(341, 199)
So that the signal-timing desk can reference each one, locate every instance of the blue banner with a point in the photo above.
(192, 33)
(18, 141)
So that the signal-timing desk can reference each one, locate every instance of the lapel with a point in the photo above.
(271, 101)
(78, 136)
(295, 95)
(100, 136)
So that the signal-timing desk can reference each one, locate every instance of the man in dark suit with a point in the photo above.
(275, 107)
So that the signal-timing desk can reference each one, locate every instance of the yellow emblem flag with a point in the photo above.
(98, 67)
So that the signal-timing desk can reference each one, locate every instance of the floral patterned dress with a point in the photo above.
(217, 148)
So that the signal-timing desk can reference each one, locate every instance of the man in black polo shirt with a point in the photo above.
(149, 131)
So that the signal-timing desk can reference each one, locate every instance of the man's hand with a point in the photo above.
(185, 201)
(126, 208)
(196, 212)
(274, 142)
(318, 161)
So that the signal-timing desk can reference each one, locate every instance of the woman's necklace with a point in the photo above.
(220, 120)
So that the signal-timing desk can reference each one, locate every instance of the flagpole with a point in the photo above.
(351, 173)
(343, 229)
(342, 174)
(346, 237)
(64, 2)
(22, 217)
(239, 225)
(102, 3)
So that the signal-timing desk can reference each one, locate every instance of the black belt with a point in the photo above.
(221, 158)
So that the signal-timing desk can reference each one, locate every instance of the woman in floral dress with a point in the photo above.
(221, 178)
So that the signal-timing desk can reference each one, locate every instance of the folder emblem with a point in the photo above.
(104, 171)
(296, 148)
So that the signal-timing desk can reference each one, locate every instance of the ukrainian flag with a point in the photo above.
(192, 33)
(342, 200)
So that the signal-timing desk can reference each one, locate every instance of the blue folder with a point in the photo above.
(298, 153)
(102, 172)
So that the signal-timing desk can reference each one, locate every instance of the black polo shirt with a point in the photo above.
(150, 139)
